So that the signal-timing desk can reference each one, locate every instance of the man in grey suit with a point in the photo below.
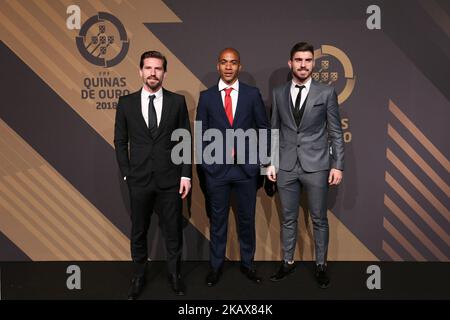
(311, 156)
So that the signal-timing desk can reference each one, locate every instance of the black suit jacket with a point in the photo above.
(150, 158)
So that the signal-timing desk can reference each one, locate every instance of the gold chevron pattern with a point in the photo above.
(46, 217)
(414, 205)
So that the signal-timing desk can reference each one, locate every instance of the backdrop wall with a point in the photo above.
(61, 194)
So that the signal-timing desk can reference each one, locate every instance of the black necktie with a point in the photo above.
(152, 121)
(297, 114)
(299, 97)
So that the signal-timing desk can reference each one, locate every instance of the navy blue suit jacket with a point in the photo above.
(250, 114)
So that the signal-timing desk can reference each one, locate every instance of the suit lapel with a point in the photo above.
(287, 104)
(311, 98)
(136, 103)
(166, 110)
(221, 108)
(240, 103)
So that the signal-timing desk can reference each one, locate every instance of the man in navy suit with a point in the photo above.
(231, 105)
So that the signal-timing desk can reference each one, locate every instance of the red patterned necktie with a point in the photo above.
(229, 105)
(229, 111)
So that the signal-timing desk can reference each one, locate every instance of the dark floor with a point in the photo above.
(110, 280)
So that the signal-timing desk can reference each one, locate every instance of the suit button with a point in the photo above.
(298, 146)
(298, 132)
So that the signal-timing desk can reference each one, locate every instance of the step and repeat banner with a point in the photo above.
(65, 63)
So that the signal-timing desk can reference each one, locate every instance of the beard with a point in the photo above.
(302, 77)
(153, 85)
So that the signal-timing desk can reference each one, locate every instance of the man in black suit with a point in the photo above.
(144, 123)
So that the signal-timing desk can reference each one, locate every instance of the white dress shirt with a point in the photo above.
(295, 91)
(158, 102)
(234, 93)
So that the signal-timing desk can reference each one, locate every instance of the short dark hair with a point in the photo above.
(302, 46)
(153, 54)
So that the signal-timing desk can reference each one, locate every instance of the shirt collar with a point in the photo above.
(222, 85)
(145, 94)
(307, 84)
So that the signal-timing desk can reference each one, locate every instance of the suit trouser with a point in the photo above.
(219, 193)
(168, 205)
(290, 185)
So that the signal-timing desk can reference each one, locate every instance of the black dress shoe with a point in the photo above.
(321, 276)
(285, 270)
(250, 273)
(137, 284)
(177, 284)
(213, 277)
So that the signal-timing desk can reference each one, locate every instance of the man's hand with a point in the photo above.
(335, 177)
(185, 186)
(271, 173)
(270, 187)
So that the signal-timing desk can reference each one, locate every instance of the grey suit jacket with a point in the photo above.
(318, 141)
